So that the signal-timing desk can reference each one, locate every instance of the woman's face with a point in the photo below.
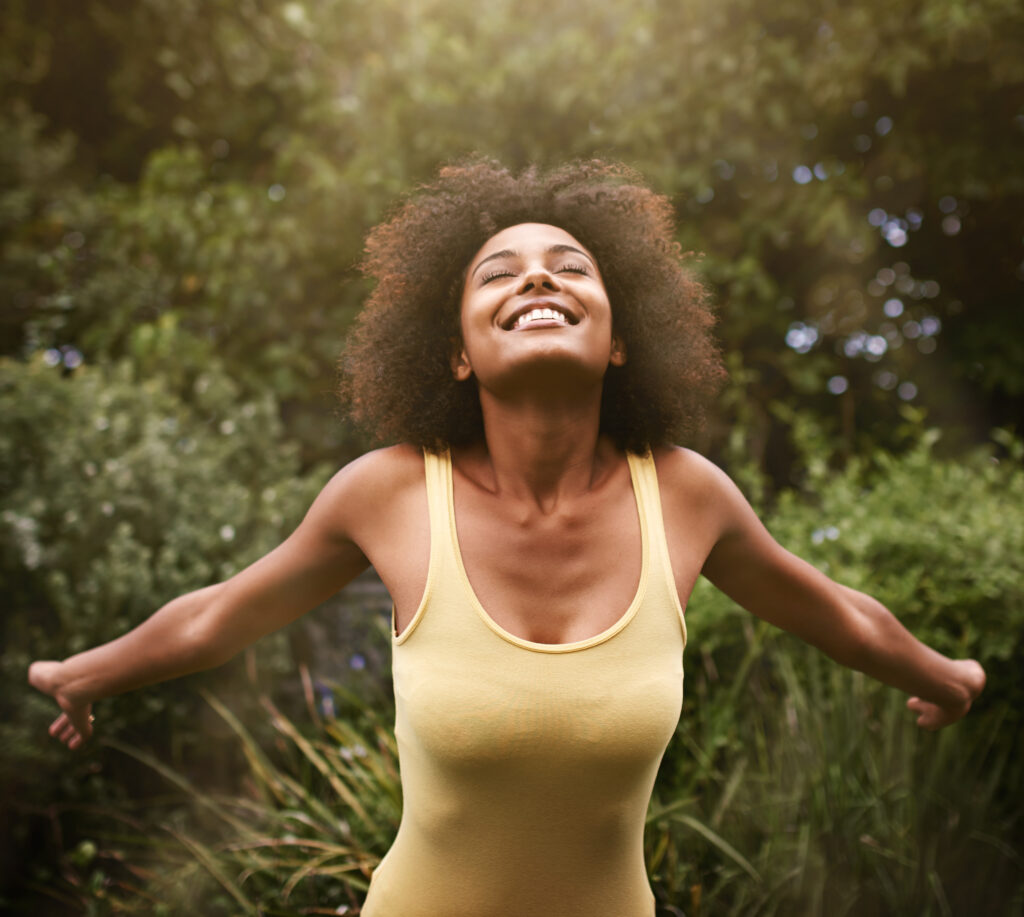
(534, 307)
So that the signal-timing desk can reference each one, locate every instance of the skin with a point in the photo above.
(545, 513)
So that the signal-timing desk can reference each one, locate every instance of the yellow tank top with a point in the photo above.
(527, 767)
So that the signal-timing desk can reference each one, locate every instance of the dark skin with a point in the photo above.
(545, 514)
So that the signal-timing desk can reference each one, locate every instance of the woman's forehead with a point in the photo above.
(525, 237)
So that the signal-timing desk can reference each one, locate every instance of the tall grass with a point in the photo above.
(318, 809)
(825, 798)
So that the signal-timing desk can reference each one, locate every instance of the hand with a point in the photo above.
(971, 681)
(74, 725)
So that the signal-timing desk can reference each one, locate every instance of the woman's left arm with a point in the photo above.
(854, 629)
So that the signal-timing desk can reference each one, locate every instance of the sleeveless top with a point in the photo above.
(526, 767)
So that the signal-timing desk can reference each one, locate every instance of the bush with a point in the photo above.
(814, 779)
(116, 496)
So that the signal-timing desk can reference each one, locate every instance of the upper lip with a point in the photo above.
(510, 320)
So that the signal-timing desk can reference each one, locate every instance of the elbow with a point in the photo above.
(853, 632)
(207, 640)
(205, 648)
(870, 630)
(207, 651)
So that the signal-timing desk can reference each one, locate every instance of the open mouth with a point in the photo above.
(541, 316)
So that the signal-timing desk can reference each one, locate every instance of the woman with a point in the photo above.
(535, 345)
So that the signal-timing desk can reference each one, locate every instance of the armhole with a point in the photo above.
(659, 540)
(434, 471)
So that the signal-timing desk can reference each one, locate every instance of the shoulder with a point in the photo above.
(695, 489)
(682, 471)
(372, 486)
(381, 468)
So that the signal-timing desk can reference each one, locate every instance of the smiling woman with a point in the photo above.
(536, 343)
(396, 372)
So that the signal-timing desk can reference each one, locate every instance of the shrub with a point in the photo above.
(816, 776)
(115, 496)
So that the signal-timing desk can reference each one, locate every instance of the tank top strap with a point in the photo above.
(648, 494)
(437, 468)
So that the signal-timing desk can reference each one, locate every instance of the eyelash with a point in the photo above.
(494, 275)
(501, 272)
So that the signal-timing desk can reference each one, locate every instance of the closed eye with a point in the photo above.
(494, 275)
(570, 268)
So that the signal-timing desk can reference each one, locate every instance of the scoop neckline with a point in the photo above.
(576, 645)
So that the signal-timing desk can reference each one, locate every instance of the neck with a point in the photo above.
(541, 450)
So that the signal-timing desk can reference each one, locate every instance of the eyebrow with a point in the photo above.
(554, 249)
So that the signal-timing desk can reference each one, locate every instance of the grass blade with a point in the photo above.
(720, 843)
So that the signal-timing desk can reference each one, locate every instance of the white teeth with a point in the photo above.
(539, 315)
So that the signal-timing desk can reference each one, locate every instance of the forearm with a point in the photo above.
(167, 645)
(884, 649)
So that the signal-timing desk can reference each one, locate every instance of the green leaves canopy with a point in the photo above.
(851, 174)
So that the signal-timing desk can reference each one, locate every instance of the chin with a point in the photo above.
(546, 372)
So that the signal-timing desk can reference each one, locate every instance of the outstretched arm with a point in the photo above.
(854, 629)
(158, 649)
(207, 627)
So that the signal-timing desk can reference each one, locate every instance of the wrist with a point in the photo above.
(971, 678)
(962, 685)
(50, 676)
(70, 686)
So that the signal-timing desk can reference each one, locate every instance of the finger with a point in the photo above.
(75, 741)
(58, 724)
(932, 718)
(67, 732)
(927, 713)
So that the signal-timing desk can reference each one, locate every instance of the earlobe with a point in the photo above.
(618, 354)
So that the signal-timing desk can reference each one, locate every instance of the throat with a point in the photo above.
(538, 454)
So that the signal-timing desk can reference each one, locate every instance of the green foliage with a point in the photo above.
(825, 798)
(859, 212)
(116, 496)
(816, 776)
(252, 282)
(318, 815)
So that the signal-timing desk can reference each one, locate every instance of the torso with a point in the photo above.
(553, 577)
(527, 767)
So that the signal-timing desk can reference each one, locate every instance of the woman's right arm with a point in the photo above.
(207, 627)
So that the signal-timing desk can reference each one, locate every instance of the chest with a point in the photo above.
(553, 577)
(547, 577)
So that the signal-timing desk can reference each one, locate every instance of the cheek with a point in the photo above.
(475, 315)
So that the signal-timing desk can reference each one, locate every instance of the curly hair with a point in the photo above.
(396, 377)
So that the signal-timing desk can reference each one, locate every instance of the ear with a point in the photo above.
(618, 354)
(459, 362)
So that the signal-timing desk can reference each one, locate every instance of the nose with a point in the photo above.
(539, 278)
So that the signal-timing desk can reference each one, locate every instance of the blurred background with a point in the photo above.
(184, 192)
